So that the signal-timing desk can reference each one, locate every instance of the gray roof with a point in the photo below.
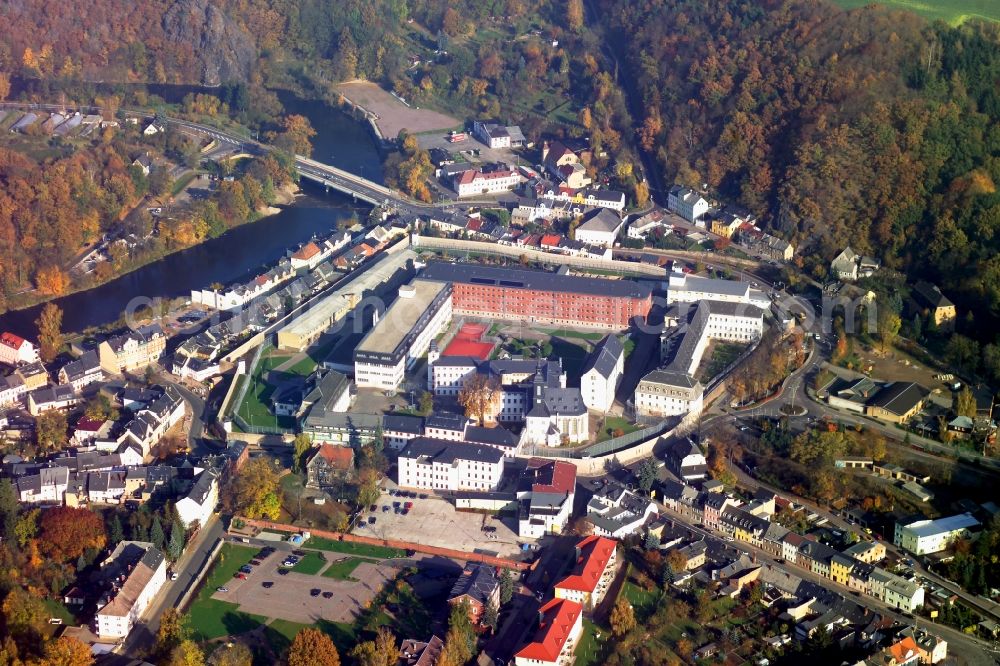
(605, 356)
(53, 393)
(494, 436)
(602, 219)
(518, 278)
(899, 397)
(81, 367)
(447, 452)
(403, 423)
(202, 487)
(478, 581)
(930, 296)
(669, 378)
(564, 401)
(447, 421)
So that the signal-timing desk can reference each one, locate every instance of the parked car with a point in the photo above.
(241, 576)
(222, 589)
(267, 584)
(373, 507)
(423, 495)
(385, 508)
(255, 563)
(282, 572)
(408, 505)
(173, 575)
(314, 592)
(371, 520)
(327, 594)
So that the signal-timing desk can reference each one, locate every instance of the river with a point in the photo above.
(340, 140)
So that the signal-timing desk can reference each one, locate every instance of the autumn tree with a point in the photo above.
(460, 641)
(964, 402)
(311, 647)
(50, 430)
(622, 618)
(381, 651)
(50, 338)
(233, 654)
(68, 651)
(295, 135)
(171, 632)
(67, 533)
(4, 86)
(254, 492)
(574, 15)
(186, 653)
(300, 448)
(888, 323)
(52, 281)
(482, 398)
(24, 616)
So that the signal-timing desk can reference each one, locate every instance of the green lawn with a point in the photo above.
(569, 333)
(343, 569)
(723, 353)
(953, 12)
(613, 423)
(304, 367)
(280, 634)
(311, 564)
(255, 407)
(58, 609)
(590, 649)
(643, 601)
(351, 548)
(183, 182)
(209, 618)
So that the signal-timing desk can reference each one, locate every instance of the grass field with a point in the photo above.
(280, 633)
(351, 548)
(953, 12)
(209, 618)
(569, 333)
(343, 569)
(613, 423)
(311, 564)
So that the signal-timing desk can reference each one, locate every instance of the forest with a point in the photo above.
(869, 127)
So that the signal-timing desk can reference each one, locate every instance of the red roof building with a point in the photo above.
(560, 626)
(15, 350)
(551, 476)
(596, 562)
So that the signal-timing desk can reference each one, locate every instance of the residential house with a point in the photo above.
(927, 300)
(420, 653)
(133, 350)
(601, 374)
(498, 136)
(870, 552)
(144, 163)
(48, 398)
(199, 504)
(845, 265)
(545, 492)
(87, 430)
(47, 486)
(640, 227)
(686, 460)
(616, 512)
(152, 128)
(328, 465)
(15, 350)
(83, 371)
(488, 180)
(560, 625)
(479, 587)
(398, 429)
(932, 648)
(687, 203)
(592, 574)
(33, 375)
(142, 572)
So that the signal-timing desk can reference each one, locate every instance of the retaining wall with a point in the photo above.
(393, 543)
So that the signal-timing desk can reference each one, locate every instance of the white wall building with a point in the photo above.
(475, 182)
(665, 393)
(687, 203)
(435, 464)
(683, 288)
(922, 537)
(47, 486)
(15, 350)
(599, 228)
(199, 504)
(127, 600)
(602, 373)
(403, 334)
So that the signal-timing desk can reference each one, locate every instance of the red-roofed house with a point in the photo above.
(15, 350)
(550, 241)
(903, 653)
(545, 497)
(473, 182)
(328, 464)
(596, 561)
(308, 256)
(560, 626)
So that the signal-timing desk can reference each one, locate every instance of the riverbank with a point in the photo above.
(284, 196)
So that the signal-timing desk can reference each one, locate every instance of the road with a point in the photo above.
(195, 556)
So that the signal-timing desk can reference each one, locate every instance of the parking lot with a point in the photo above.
(290, 596)
(435, 522)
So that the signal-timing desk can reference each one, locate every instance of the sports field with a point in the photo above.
(953, 12)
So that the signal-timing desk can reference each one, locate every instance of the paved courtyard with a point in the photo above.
(393, 115)
(435, 522)
(289, 597)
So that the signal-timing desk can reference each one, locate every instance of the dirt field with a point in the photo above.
(289, 598)
(391, 114)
